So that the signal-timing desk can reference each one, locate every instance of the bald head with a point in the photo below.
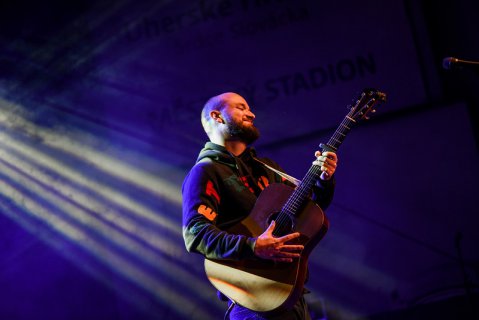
(216, 103)
(227, 117)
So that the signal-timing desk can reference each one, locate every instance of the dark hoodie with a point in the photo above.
(221, 190)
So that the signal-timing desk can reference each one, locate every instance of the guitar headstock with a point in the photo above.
(366, 104)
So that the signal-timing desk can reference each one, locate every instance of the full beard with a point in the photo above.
(247, 134)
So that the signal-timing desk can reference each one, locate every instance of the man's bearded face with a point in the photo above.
(238, 118)
(247, 133)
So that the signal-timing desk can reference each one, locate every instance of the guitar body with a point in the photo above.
(264, 285)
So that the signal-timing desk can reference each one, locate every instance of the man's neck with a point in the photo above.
(235, 147)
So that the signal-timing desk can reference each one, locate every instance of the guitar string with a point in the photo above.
(297, 195)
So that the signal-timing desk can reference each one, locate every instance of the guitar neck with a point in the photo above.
(339, 135)
(303, 190)
(314, 171)
(368, 99)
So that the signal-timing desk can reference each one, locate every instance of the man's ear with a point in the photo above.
(216, 116)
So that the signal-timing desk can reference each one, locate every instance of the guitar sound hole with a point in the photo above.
(284, 224)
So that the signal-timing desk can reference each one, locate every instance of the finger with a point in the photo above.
(331, 167)
(291, 255)
(320, 161)
(282, 259)
(329, 162)
(289, 237)
(291, 248)
(325, 161)
(321, 158)
(270, 227)
(331, 155)
(325, 169)
(327, 154)
(281, 256)
(286, 257)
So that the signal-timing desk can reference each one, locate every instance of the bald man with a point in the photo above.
(222, 187)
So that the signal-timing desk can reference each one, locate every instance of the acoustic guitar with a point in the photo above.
(264, 285)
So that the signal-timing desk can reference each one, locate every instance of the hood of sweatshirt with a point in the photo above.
(219, 153)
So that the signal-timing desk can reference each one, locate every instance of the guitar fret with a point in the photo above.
(350, 118)
(336, 140)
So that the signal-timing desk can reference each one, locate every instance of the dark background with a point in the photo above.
(99, 123)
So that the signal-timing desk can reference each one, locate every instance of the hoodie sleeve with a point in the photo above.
(323, 192)
(200, 210)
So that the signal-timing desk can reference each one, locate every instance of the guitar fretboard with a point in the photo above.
(364, 104)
